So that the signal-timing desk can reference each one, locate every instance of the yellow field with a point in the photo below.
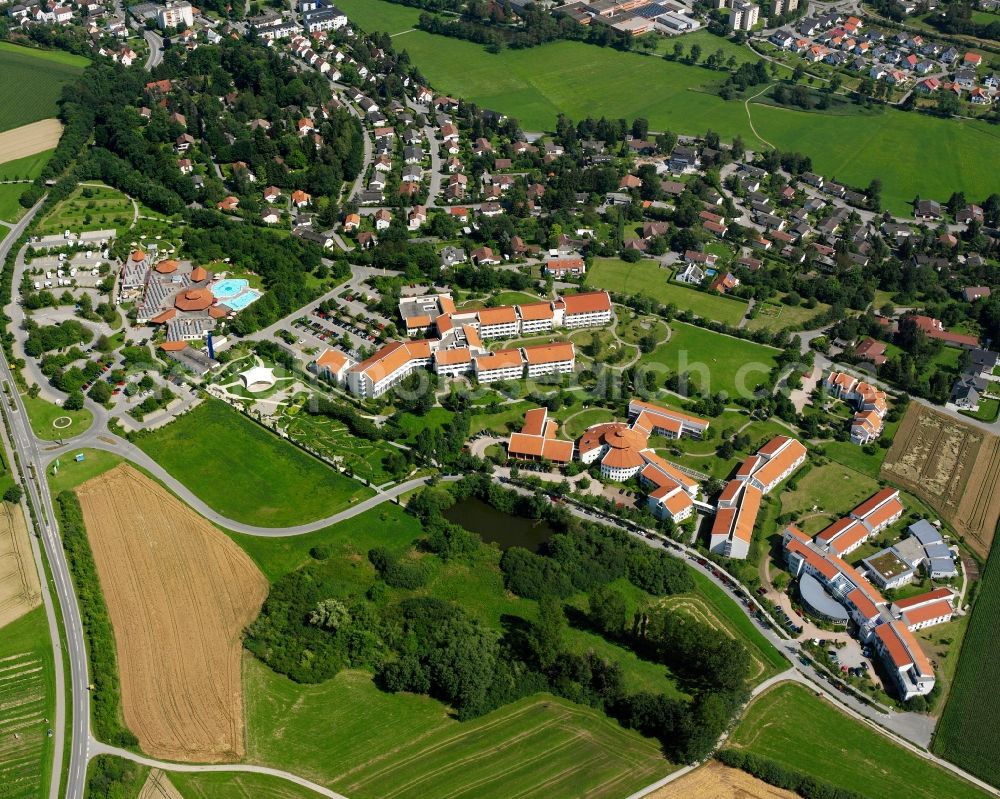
(19, 586)
(29, 139)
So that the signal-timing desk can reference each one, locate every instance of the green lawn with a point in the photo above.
(246, 472)
(367, 744)
(223, 785)
(715, 362)
(577, 424)
(778, 316)
(989, 409)
(831, 488)
(10, 208)
(535, 84)
(792, 726)
(27, 168)
(435, 419)
(648, 278)
(72, 473)
(27, 697)
(32, 83)
(43, 416)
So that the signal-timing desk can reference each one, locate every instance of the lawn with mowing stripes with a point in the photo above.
(534, 85)
(32, 81)
(967, 734)
(247, 473)
(27, 168)
(715, 362)
(651, 280)
(791, 725)
(367, 744)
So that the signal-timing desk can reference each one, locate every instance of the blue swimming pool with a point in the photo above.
(240, 302)
(225, 289)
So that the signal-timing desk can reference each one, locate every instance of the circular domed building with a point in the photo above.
(194, 300)
(617, 447)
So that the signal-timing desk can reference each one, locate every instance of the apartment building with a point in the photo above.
(591, 309)
(549, 359)
(665, 422)
(387, 367)
(868, 519)
(499, 365)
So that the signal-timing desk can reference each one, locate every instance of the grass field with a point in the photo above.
(646, 277)
(578, 423)
(367, 744)
(778, 316)
(27, 168)
(534, 85)
(32, 83)
(714, 361)
(247, 473)
(10, 208)
(236, 786)
(831, 488)
(88, 208)
(26, 698)
(44, 415)
(792, 726)
(967, 734)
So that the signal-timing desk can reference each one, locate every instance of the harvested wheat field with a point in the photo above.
(19, 586)
(158, 786)
(953, 466)
(179, 594)
(716, 781)
(29, 139)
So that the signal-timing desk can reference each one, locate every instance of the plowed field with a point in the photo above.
(716, 781)
(179, 594)
(951, 465)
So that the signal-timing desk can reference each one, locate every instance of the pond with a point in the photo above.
(494, 526)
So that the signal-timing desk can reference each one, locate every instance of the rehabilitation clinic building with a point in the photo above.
(740, 499)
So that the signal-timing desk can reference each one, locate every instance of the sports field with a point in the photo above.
(534, 85)
(32, 83)
(791, 725)
(26, 700)
(367, 744)
(714, 362)
(967, 733)
(179, 594)
(647, 278)
(247, 473)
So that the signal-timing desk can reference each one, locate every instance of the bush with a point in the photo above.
(106, 692)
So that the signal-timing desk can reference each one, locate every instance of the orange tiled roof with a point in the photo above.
(590, 302)
(549, 353)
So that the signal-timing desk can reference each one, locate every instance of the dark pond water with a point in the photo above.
(494, 526)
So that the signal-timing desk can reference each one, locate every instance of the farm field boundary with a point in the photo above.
(954, 467)
(806, 733)
(967, 734)
(716, 781)
(30, 139)
(179, 594)
(20, 590)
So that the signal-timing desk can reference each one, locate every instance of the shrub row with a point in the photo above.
(106, 691)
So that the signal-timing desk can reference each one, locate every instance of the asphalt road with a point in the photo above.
(38, 497)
